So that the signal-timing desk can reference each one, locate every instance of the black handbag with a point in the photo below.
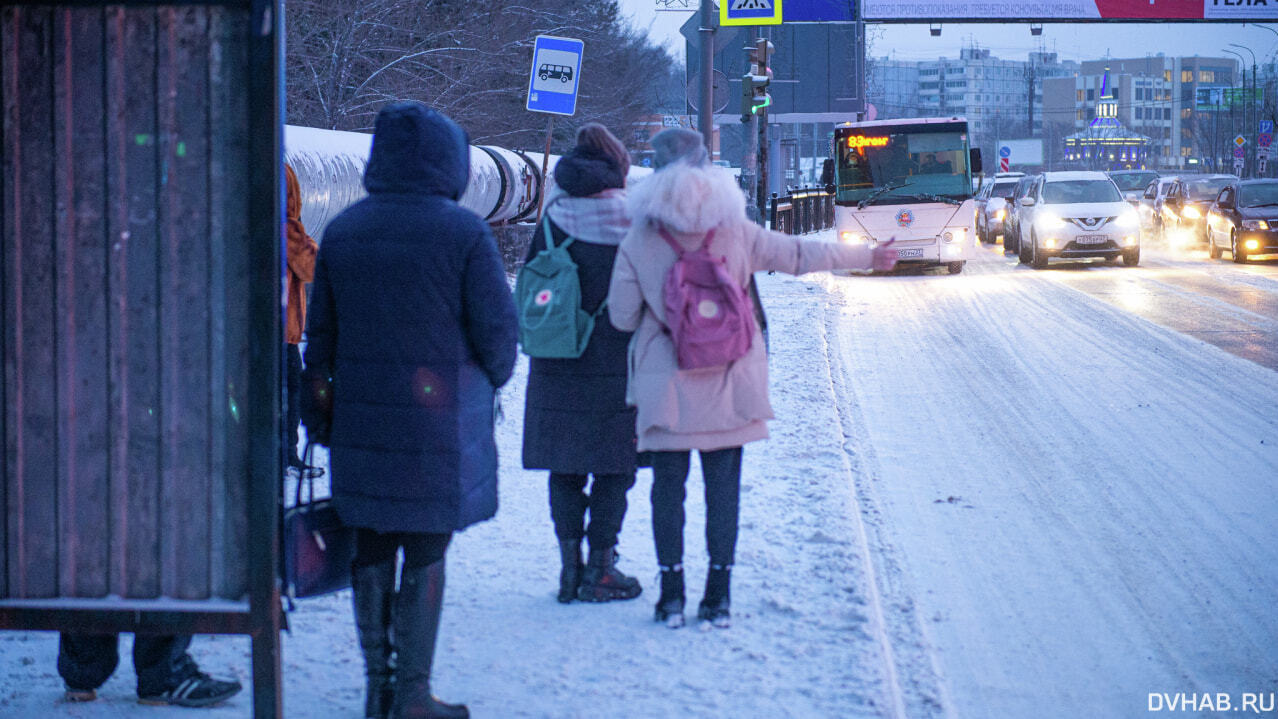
(318, 548)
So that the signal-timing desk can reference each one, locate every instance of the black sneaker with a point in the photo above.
(198, 690)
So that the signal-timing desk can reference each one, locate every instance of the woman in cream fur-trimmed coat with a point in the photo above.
(713, 410)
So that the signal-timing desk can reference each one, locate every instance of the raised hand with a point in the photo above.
(884, 257)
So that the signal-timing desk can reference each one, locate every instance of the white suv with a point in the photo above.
(1078, 214)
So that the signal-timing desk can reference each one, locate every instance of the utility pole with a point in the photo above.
(763, 46)
(1031, 75)
(705, 109)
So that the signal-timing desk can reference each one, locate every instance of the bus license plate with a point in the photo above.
(905, 254)
(1091, 239)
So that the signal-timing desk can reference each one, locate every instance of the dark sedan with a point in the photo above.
(1244, 220)
(1184, 210)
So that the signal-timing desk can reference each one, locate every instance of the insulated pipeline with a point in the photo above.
(504, 185)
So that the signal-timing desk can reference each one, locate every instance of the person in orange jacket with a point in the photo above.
(300, 249)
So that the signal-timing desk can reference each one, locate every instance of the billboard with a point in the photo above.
(1066, 10)
(1224, 98)
(1020, 152)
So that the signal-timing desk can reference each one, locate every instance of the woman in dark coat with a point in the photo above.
(413, 324)
(576, 422)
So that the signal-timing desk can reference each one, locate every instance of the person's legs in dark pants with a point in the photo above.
(417, 611)
(86, 661)
(601, 581)
(373, 594)
(568, 503)
(721, 471)
(669, 477)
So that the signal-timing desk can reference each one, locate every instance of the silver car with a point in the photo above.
(992, 205)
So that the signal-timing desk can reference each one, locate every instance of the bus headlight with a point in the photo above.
(955, 234)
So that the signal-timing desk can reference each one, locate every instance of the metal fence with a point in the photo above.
(802, 210)
(140, 286)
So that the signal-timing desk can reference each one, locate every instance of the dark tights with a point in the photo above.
(420, 549)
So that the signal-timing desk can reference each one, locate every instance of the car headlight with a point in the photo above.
(1051, 221)
(1129, 218)
(1191, 213)
(1255, 225)
(1000, 215)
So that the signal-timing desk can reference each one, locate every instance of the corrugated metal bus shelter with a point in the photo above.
(140, 294)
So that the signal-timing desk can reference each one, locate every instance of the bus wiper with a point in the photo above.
(933, 198)
(879, 193)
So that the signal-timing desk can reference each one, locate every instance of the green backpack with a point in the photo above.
(552, 324)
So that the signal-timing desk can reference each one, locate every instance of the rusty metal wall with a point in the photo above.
(126, 323)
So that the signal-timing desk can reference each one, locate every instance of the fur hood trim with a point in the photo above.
(687, 198)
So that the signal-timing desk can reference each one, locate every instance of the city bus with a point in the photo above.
(908, 179)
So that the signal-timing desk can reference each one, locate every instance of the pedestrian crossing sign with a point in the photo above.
(749, 12)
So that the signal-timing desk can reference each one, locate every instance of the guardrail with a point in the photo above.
(802, 210)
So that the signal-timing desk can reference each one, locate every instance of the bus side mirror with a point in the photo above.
(827, 171)
(974, 159)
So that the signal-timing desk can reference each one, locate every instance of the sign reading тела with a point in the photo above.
(749, 12)
(556, 70)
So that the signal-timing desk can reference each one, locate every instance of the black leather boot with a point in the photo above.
(373, 588)
(670, 605)
(570, 572)
(714, 606)
(417, 609)
(601, 582)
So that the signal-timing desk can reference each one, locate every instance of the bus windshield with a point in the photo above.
(919, 159)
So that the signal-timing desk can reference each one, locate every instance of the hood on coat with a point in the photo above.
(687, 198)
(584, 172)
(417, 150)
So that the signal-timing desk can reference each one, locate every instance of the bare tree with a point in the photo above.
(468, 60)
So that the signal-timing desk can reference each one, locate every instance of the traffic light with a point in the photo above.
(754, 85)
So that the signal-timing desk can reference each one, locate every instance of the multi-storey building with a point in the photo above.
(1001, 99)
(1155, 96)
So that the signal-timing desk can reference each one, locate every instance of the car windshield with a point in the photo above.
(1205, 190)
(1075, 191)
(1128, 181)
(1261, 193)
(1003, 189)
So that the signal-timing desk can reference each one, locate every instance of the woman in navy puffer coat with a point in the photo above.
(413, 323)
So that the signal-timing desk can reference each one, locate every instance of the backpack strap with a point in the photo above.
(709, 238)
(550, 240)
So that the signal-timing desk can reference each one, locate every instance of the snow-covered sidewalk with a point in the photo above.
(806, 639)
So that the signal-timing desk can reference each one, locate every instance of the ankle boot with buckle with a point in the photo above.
(373, 588)
(602, 582)
(416, 621)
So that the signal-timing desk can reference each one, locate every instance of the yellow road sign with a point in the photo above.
(749, 12)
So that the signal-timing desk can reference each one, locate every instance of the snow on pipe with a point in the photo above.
(504, 184)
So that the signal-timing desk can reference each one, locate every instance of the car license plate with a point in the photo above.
(905, 254)
(1091, 239)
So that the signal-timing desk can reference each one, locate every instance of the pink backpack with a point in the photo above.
(708, 314)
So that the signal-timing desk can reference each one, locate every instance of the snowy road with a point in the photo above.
(1001, 494)
(1071, 498)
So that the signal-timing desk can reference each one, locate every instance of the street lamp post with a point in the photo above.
(1242, 61)
(1251, 100)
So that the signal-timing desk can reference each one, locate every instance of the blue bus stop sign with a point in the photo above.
(556, 67)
